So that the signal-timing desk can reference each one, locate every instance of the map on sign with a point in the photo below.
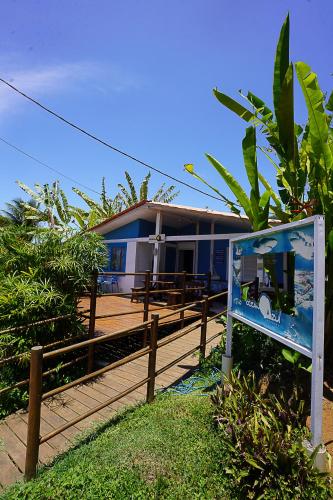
(279, 269)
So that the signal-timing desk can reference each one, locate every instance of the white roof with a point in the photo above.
(173, 215)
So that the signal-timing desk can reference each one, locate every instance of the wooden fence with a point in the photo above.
(38, 358)
(39, 355)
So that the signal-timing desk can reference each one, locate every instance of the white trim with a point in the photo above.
(157, 251)
(190, 237)
(228, 348)
(280, 227)
(317, 377)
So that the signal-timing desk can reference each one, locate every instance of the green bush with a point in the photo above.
(264, 435)
(43, 273)
(254, 351)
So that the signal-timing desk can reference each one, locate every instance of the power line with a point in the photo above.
(47, 166)
(104, 143)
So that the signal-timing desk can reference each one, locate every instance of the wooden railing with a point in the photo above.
(39, 357)
(92, 317)
(147, 293)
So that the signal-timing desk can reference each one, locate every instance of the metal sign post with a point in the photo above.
(302, 330)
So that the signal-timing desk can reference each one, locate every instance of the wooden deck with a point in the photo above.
(77, 400)
(120, 305)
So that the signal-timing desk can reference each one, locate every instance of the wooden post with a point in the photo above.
(35, 400)
(183, 286)
(209, 282)
(152, 359)
(203, 333)
(146, 306)
(92, 320)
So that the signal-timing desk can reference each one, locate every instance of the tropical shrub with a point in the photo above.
(263, 434)
(43, 273)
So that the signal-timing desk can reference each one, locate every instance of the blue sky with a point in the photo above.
(140, 75)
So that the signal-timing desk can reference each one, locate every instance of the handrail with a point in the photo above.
(36, 374)
(96, 373)
(46, 346)
(22, 383)
(42, 322)
(97, 340)
(92, 411)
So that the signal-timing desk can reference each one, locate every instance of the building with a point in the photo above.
(170, 238)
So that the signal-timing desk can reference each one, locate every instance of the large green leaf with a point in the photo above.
(91, 203)
(234, 106)
(260, 106)
(250, 159)
(285, 119)
(318, 125)
(329, 104)
(233, 185)
(134, 197)
(281, 62)
(189, 167)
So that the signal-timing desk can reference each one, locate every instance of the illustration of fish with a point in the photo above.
(302, 244)
(264, 245)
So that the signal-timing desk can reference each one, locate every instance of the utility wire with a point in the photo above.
(47, 166)
(101, 141)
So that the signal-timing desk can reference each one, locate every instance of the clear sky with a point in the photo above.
(140, 74)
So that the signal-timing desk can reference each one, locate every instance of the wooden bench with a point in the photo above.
(136, 292)
(174, 298)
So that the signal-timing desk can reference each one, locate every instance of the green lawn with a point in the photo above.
(169, 449)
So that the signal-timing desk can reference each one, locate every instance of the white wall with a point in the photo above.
(127, 282)
(143, 261)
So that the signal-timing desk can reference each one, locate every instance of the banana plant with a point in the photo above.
(302, 156)
(256, 205)
(129, 196)
(51, 205)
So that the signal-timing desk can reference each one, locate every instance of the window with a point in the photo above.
(117, 258)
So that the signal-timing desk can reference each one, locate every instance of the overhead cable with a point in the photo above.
(104, 143)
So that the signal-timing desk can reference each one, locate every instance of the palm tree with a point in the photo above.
(17, 213)
(51, 205)
(129, 196)
(98, 210)
(107, 207)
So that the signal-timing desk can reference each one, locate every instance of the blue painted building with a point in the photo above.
(170, 238)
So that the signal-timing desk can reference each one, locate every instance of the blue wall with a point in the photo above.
(136, 229)
(203, 256)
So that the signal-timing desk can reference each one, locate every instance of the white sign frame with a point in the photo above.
(317, 352)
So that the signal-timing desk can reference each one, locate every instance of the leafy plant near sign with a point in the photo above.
(302, 156)
(264, 434)
(277, 368)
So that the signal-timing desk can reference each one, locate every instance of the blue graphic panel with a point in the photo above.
(285, 309)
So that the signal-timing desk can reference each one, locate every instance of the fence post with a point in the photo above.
(92, 320)
(209, 282)
(146, 306)
(35, 401)
(152, 359)
(203, 332)
(183, 285)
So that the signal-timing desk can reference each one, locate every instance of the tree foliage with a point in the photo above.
(302, 156)
(42, 276)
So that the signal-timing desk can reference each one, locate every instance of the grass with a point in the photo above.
(169, 449)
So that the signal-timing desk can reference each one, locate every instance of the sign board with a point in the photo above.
(284, 295)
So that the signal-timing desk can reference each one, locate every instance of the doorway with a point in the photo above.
(186, 257)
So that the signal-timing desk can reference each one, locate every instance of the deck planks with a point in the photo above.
(77, 400)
